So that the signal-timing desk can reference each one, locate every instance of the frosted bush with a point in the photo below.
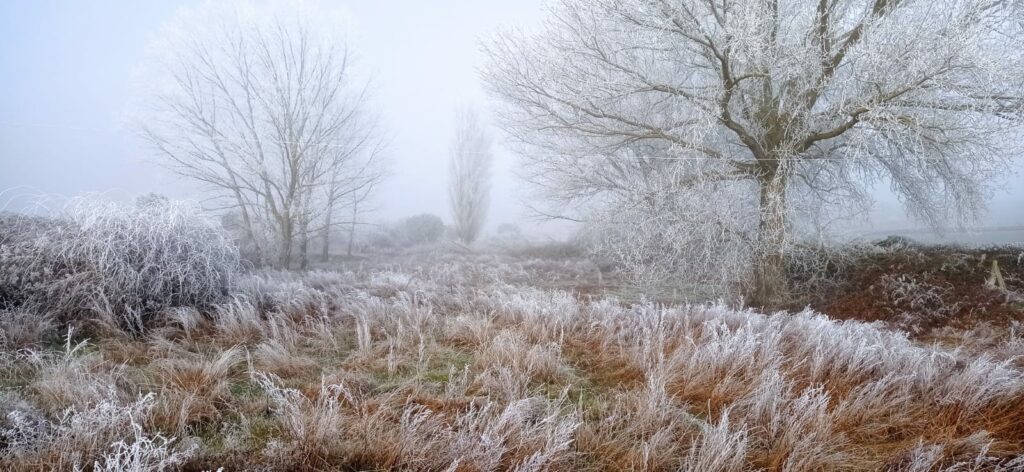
(419, 229)
(20, 328)
(918, 299)
(123, 263)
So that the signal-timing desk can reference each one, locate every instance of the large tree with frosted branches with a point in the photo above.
(708, 132)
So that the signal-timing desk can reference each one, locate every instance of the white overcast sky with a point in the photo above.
(66, 71)
(66, 78)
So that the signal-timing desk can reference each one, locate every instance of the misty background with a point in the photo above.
(69, 72)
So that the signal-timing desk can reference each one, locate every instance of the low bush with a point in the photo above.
(118, 262)
(914, 287)
(419, 229)
(409, 232)
(555, 250)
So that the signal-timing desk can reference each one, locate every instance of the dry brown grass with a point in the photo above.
(449, 366)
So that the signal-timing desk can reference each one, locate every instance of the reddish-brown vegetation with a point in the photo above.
(461, 363)
(926, 290)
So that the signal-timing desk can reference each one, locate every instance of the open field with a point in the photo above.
(461, 362)
(578, 235)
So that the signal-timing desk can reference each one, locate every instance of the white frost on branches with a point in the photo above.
(261, 104)
(720, 129)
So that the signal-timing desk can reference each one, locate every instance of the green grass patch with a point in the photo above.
(437, 368)
(245, 389)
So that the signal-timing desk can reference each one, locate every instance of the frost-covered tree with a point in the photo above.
(470, 175)
(707, 133)
(259, 102)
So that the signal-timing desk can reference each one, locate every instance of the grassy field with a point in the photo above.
(470, 362)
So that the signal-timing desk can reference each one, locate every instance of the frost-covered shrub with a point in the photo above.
(813, 268)
(24, 268)
(419, 229)
(509, 230)
(121, 262)
(20, 328)
(408, 232)
(911, 297)
(669, 251)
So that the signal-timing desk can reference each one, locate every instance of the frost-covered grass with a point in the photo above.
(465, 363)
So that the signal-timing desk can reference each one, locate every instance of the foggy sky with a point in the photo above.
(66, 72)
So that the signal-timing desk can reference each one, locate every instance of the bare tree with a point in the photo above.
(348, 191)
(717, 128)
(262, 107)
(470, 175)
(357, 203)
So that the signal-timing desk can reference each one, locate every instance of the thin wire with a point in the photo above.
(335, 144)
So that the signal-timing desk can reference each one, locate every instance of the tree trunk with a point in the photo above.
(304, 246)
(770, 285)
(249, 231)
(352, 229)
(285, 258)
(325, 251)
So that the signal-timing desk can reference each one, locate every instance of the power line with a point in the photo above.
(336, 144)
